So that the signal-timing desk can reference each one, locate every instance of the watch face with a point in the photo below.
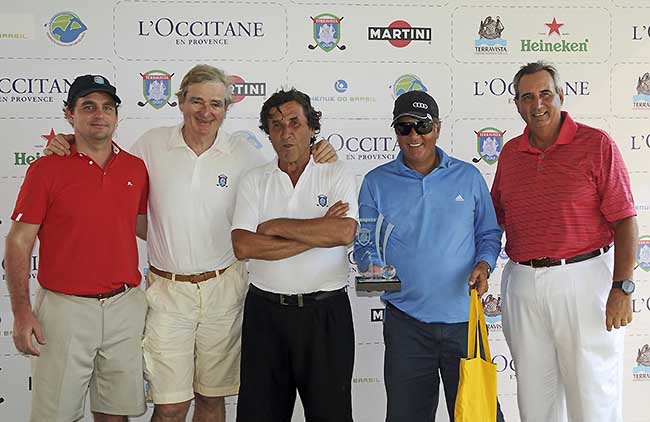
(627, 286)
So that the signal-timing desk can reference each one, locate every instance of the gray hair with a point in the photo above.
(535, 67)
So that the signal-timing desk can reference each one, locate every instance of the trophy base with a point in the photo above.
(366, 284)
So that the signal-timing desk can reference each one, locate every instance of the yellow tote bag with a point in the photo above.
(476, 400)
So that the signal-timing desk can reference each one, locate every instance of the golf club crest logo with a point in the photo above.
(322, 200)
(643, 254)
(641, 372)
(326, 32)
(492, 309)
(642, 99)
(407, 83)
(363, 236)
(156, 88)
(490, 41)
(222, 181)
(66, 29)
(489, 143)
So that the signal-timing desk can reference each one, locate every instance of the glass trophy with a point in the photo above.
(380, 275)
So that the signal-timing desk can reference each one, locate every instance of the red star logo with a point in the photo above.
(554, 27)
(49, 136)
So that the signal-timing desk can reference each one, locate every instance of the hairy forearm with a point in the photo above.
(247, 245)
(626, 235)
(17, 267)
(323, 232)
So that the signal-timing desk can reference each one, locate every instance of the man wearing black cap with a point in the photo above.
(88, 319)
(445, 236)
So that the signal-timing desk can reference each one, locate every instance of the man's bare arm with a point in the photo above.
(333, 229)
(247, 244)
(141, 226)
(18, 254)
(619, 305)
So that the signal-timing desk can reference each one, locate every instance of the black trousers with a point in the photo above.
(307, 348)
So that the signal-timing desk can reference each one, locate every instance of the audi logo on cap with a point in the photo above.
(420, 105)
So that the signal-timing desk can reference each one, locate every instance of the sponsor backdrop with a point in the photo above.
(354, 59)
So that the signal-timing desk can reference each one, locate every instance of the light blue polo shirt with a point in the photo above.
(442, 225)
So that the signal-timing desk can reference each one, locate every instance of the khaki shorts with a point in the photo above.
(192, 339)
(91, 345)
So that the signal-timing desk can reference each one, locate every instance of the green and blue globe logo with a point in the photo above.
(407, 83)
(66, 28)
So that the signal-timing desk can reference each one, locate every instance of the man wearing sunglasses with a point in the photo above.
(445, 237)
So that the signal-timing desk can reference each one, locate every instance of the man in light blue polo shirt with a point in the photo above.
(445, 237)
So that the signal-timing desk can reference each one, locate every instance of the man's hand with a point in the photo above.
(338, 210)
(26, 324)
(618, 312)
(323, 152)
(479, 278)
(60, 145)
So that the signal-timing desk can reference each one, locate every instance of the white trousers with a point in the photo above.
(569, 367)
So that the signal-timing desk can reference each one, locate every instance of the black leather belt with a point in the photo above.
(299, 300)
(107, 294)
(551, 262)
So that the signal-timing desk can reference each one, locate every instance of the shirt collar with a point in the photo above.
(223, 143)
(75, 152)
(566, 135)
(273, 166)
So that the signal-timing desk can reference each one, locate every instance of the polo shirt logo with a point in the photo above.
(460, 198)
(322, 200)
(129, 183)
(223, 181)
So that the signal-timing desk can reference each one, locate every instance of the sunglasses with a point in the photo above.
(422, 127)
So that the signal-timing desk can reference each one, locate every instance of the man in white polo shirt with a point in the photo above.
(293, 219)
(196, 286)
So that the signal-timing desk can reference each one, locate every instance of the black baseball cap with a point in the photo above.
(416, 104)
(86, 84)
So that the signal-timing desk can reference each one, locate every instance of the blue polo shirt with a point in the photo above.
(439, 226)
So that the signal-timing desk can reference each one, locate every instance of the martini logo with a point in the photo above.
(399, 33)
(642, 99)
(23, 158)
(247, 137)
(643, 254)
(157, 89)
(490, 41)
(642, 371)
(407, 83)
(377, 314)
(327, 32)
(489, 143)
(242, 89)
(553, 45)
(66, 28)
(492, 309)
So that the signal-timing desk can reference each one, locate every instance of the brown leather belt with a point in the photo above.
(106, 295)
(189, 278)
(550, 262)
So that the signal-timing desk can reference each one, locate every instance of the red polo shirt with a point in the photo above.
(87, 216)
(560, 202)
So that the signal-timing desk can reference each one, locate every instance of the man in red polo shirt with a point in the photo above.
(562, 194)
(88, 317)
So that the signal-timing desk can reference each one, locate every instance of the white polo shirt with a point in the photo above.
(191, 199)
(266, 193)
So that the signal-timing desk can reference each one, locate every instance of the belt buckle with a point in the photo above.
(283, 300)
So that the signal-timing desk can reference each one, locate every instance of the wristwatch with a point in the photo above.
(626, 285)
